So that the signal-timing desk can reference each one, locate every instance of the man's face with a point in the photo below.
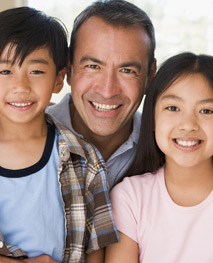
(108, 77)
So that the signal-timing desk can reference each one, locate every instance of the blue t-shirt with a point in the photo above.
(31, 206)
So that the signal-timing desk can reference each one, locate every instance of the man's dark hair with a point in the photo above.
(28, 29)
(116, 13)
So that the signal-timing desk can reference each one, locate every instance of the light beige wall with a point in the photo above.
(12, 3)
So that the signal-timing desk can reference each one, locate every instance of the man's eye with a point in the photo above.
(5, 72)
(206, 111)
(128, 71)
(92, 66)
(172, 108)
(36, 72)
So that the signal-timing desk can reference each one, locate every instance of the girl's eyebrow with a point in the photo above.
(175, 97)
(209, 100)
(171, 96)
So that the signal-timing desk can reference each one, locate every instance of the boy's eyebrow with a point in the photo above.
(38, 61)
(5, 61)
(32, 61)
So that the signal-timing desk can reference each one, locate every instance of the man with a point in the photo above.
(112, 61)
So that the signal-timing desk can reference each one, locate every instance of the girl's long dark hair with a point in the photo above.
(148, 156)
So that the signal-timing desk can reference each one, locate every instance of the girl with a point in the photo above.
(166, 215)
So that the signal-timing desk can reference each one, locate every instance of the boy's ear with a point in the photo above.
(69, 66)
(59, 80)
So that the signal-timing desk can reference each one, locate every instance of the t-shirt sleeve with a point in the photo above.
(10, 251)
(124, 207)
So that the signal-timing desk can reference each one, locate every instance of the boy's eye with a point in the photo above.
(5, 72)
(172, 108)
(206, 111)
(37, 72)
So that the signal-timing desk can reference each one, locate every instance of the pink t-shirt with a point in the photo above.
(165, 232)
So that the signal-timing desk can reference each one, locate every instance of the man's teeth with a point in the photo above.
(187, 143)
(104, 107)
(21, 104)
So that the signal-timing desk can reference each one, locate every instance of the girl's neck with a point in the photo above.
(189, 186)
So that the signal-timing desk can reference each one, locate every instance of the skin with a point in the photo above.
(25, 93)
(187, 118)
(108, 79)
(188, 169)
(41, 259)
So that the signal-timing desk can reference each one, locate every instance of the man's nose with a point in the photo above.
(107, 84)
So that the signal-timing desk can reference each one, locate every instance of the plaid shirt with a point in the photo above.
(84, 187)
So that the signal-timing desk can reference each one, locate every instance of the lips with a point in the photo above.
(189, 144)
(104, 107)
(20, 104)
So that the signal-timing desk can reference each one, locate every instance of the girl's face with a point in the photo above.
(184, 121)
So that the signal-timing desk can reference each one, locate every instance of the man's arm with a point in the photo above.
(40, 259)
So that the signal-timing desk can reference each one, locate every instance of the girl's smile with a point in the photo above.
(184, 121)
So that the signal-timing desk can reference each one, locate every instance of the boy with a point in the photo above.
(53, 187)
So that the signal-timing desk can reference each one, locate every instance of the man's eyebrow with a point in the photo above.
(131, 64)
(89, 58)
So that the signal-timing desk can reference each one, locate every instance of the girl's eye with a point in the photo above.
(206, 111)
(172, 108)
(37, 72)
(5, 72)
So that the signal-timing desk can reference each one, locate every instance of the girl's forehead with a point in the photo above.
(189, 87)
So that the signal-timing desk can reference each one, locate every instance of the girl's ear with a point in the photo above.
(59, 80)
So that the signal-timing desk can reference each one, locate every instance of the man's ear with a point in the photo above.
(59, 83)
(152, 71)
(69, 66)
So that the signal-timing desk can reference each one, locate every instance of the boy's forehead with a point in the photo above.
(12, 54)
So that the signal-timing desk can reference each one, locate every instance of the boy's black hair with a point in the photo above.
(28, 29)
(115, 13)
(148, 156)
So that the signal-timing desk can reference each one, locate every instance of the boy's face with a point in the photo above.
(26, 91)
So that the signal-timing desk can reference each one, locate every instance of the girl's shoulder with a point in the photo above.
(141, 183)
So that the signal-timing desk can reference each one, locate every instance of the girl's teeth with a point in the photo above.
(187, 143)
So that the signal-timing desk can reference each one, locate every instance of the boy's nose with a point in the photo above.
(21, 85)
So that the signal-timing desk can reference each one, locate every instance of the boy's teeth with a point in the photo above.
(187, 143)
(104, 107)
(21, 104)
